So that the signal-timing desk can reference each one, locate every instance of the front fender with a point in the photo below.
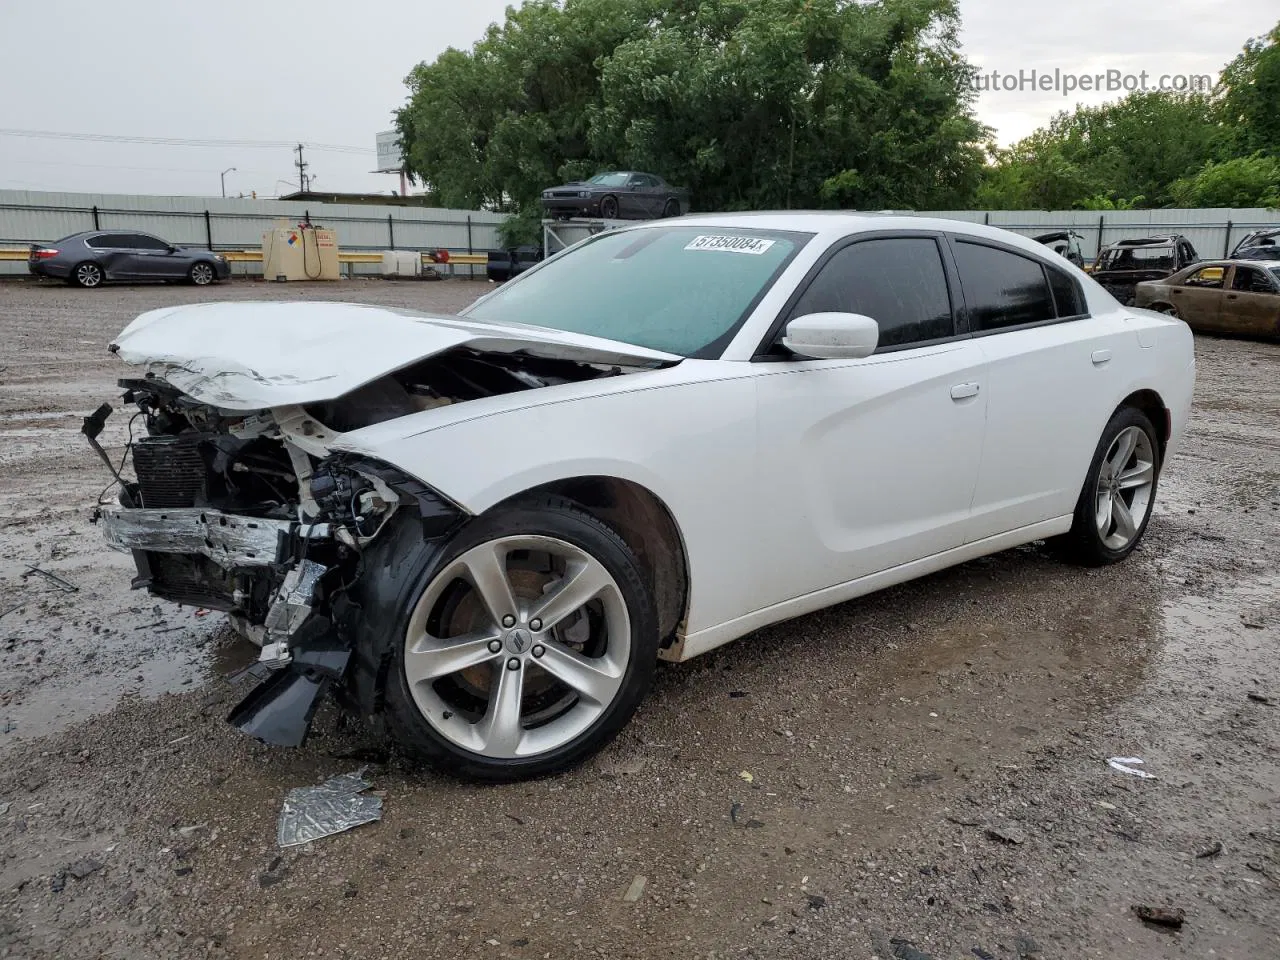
(693, 445)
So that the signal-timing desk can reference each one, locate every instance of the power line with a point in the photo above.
(180, 141)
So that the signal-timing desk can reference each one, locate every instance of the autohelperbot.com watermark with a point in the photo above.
(1066, 82)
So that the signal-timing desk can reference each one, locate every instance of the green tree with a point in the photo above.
(1252, 181)
(748, 103)
(1133, 148)
(1250, 103)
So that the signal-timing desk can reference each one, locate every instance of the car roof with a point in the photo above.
(833, 223)
(1147, 241)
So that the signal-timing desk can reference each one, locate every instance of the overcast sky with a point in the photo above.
(331, 72)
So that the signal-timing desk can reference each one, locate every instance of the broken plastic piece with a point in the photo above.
(337, 805)
(1129, 765)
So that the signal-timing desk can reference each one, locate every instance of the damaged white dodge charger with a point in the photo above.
(485, 530)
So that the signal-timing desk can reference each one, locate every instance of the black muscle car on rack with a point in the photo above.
(617, 195)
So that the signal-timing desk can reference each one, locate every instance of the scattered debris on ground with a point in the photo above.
(337, 805)
(1173, 918)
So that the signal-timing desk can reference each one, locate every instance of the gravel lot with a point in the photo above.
(823, 788)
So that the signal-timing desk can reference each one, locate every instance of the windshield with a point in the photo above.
(1275, 273)
(610, 179)
(682, 290)
(1156, 257)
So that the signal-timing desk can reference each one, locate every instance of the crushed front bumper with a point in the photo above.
(230, 541)
(301, 655)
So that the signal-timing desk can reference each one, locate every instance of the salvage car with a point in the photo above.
(485, 530)
(94, 257)
(1121, 266)
(1220, 296)
(1065, 243)
(1258, 245)
(617, 195)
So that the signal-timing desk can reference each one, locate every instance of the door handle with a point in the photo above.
(1233, 296)
(963, 391)
(1100, 357)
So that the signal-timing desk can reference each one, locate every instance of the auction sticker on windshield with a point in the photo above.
(751, 245)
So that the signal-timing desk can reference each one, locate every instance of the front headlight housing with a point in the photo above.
(583, 194)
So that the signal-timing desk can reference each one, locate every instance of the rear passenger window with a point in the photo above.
(106, 241)
(1066, 294)
(899, 282)
(1002, 289)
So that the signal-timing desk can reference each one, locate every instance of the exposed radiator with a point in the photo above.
(171, 471)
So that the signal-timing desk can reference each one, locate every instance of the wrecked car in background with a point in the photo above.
(1121, 266)
(1240, 297)
(1065, 243)
(1258, 245)
(485, 530)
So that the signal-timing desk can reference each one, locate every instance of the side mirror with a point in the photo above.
(832, 336)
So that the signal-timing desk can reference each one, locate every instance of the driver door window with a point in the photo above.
(897, 281)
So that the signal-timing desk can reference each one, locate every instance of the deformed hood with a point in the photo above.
(255, 356)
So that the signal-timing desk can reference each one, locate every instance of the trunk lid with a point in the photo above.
(255, 356)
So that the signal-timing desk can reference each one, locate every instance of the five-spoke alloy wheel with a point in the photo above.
(1119, 492)
(523, 646)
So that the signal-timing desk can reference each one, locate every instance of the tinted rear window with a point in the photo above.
(1002, 289)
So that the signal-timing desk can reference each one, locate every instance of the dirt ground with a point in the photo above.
(823, 788)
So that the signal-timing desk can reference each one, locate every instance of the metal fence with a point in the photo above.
(1213, 232)
(232, 224)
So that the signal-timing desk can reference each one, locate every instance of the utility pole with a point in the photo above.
(302, 169)
(224, 180)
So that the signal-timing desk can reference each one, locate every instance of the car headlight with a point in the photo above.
(546, 195)
(583, 194)
(220, 258)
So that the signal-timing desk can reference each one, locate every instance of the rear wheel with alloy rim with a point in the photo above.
(88, 274)
(526, 649)
(1115, 505)
(201, 274)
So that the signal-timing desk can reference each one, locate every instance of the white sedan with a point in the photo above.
(486, 529)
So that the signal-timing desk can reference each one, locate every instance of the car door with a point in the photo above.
(871, 463)
(1053, 373)
(1251, 303)
(112, 251)
(1198, 299)
(155, 259)
(639, 196)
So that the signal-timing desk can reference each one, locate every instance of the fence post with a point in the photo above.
(95, 217)
(391, 231)
(469, 247)
(986, 219)
(1226, 246)
(208, 230)
(1102, 222)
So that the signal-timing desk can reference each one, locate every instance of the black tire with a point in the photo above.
(672, 209)
(87, 274)
(202, 274)
(1084, 543)
(401, 567)
(609, 208)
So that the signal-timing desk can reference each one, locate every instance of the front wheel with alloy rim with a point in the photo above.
(201, 274)
(523, 647)
(88, 275)
(609, 208)
(1119, 492)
